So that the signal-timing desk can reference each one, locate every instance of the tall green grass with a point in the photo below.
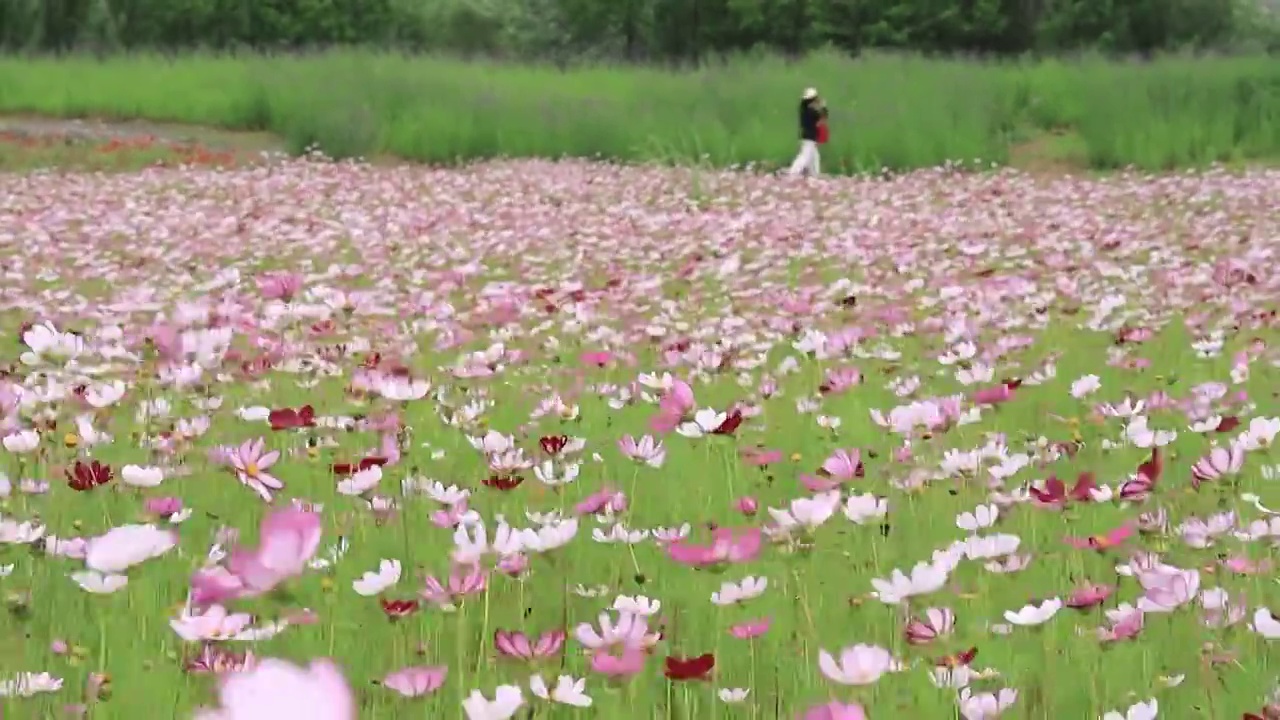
(887, 111)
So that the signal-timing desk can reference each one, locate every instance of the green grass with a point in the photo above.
(887, 111)
(815, 598)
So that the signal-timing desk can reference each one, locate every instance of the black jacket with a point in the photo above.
(809, 117)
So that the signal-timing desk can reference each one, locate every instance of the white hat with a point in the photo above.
(810, 93)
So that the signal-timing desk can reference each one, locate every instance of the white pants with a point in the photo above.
(807, 160)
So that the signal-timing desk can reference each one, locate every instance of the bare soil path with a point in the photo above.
(92, 129)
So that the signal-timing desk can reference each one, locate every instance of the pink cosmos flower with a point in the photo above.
(727, 546)
(416, 681)
(835, 711)
(1088, 596)
(843, 465)
(251, 462)
(600, 500)
(994, 395)
(463, 580)
(1219, 463)
(629, 662)
(1166, 588)
(644, 450)
(274, 689)
(839, 380)
(517, 644)
(936, 623)
(750, 629)
(288, 539)
(630, 631)
(675, 404)
(279, 285)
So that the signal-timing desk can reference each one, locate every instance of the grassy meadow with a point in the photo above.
(898, 112)
(256, 418)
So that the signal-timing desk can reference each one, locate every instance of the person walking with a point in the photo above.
(813, 132)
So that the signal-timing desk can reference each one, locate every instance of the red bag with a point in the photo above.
(823, 133)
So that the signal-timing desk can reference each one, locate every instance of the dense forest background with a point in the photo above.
(655, 31)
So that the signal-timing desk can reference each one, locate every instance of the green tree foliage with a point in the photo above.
(662, 31)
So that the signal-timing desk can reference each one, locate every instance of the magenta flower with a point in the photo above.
(728, 546)
(600, 500)
(630, 661)
(517, 644)
(163, 506)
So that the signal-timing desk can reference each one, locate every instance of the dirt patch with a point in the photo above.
(90, 129)
(1050, 153)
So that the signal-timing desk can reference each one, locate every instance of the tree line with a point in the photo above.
(654, 31)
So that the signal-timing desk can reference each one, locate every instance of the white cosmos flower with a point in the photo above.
(1034, 614)
(374, 582)
(120, 548)
(23, 441)
(1139, 711)
(984, 516)
(13, 532)
(99, 583)
(807, 512)
(257, 413)
(864, 508)
(705, 421)
(361, 481)
(733, 695)
(619, 534)
(28, 684)
(925, 578)
(215, 623)
(549, 537)
(568, 690)
(141, 476)
(506, 702)
(639, 605)
(731, 593)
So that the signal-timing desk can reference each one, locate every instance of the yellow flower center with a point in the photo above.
(251, 469)
(71, 440)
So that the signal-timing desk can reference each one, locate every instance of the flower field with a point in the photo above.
(533, 439)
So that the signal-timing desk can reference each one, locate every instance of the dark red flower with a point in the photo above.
(961, 658)
(1055, 491)
(553, 444)
(396, 609)
(86, 476)
(342, 468)
(1227, 424)
(1152, 468)
(257, 366)
(731, 422)
(504, 483)
(698, 668)
(289, 419)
